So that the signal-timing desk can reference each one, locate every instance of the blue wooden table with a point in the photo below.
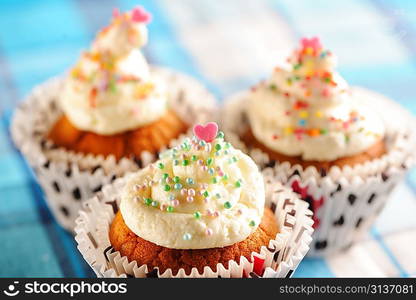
(228, 45)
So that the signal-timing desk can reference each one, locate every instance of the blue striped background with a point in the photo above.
(40, 39)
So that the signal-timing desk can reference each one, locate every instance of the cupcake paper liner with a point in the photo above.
(278, 259)
(69, 178)
(345, 201)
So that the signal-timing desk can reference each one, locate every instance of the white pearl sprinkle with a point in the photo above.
(175, 202)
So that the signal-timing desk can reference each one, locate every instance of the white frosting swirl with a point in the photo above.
(111, 90)
(306, 109)
(213, 199)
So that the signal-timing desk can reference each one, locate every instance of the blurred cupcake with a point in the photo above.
(199, 211)
(110, 114)
(340, 148)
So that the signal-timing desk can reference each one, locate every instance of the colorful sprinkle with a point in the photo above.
(187, 236)
(148, 201)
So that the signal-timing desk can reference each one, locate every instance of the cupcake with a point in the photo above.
(199, 211)
(110, 114)
(339, 147)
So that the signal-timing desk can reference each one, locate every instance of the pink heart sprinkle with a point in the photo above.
(207, 132)
(116, 12)
(140, 15)
(313, 43)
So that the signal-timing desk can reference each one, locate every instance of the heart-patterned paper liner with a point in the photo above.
(69, 178)
(278, 259)
(345, 201)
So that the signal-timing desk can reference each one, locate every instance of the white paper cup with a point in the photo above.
(345, 201)
(69, 178)
(278, 259)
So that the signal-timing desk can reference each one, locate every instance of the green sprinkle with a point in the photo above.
(214, 180)
(273, 87)
(252, 223)
(205, 194)
(194, 158)
(167, 188)
(234, 159)
(227, 205)
(220, 135)
(148, 201)
(297, 66)
(237, 184)
(176, 179)
(210, 161)
(217, 147)
(225, 177)
(202, 143)
(197, 215)
(165, 176)
(324, 131)
(161, 166)
(155, 203)
(112, 86)
(185, 162)
(169, 209)
(227, 145)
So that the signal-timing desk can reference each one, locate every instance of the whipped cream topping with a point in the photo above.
(198, 195)
(307, 109)
(110, 89)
